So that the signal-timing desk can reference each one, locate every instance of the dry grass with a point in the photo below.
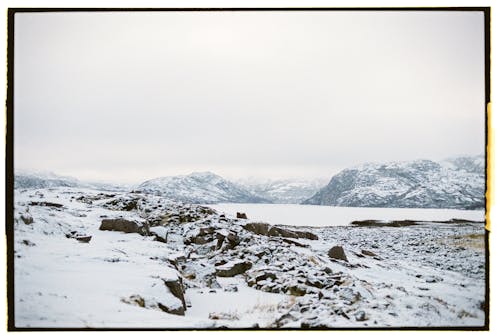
(469, 241)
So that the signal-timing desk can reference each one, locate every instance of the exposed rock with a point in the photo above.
(122, 225)
(172, 310)
(294, 243)
(27, 218)
(134, 300)
(376, 223)
(232, 269)
(368, 253)
(28, 243)
(223, 316)
(259, 228)
(45, 203)
(337, 252)
(241, 215)
(83, 239)
(79, 236)
(297, 290)
(265, 229)
(360, 316)
(177, 289)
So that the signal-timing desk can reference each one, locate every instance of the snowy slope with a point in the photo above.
(199, 187)
(425, 275)
(455, 183)
(284, 191)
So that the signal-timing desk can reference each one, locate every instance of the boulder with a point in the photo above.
(241, 215)
(83, 239)
(232, 269)
(27, 218)
(122, 225)
(337, 252)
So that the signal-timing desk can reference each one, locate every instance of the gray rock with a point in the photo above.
(122, 225)
(27, 218)
(241, 215)
(337, 252)
(233, 270)
(360, 316)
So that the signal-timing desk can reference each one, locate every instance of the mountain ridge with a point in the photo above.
(455, 183)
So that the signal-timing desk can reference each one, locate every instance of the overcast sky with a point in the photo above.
(132, 96)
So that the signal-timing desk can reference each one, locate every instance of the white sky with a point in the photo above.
(132, 96)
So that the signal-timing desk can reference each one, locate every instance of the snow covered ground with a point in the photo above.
(216, 271)
(324, 216)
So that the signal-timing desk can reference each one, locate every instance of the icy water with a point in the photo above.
(321, 216)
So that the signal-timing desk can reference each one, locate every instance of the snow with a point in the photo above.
(324, 216)
(425, 275)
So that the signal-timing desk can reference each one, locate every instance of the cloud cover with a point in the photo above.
(134, 95)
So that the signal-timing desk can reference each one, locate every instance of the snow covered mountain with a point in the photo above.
(199, 187)
(284, 191)
(454, 183)
(25, 179)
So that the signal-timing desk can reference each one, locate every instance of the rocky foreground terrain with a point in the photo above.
(88, 258)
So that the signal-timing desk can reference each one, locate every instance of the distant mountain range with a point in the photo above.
(457, 183)
(30, 179)
(284, 191)
(200, 187)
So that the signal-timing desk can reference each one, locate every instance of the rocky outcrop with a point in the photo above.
(177, 289)
(232, 269)
(269, 230)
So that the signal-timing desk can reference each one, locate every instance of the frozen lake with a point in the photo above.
(320, 216)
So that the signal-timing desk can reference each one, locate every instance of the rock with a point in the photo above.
(368, 253)
(314, 283)
(45, 203)
(337, 252)
(232, 269)
(241, 215)
(160, 233)
(27, 218)
(134, 300)
(294, 243)
(231, 288)
(28, 243)
(265, 229)
(83, 239)
(172, 310)
(177, 289)
(79, 237)
(297, 290)
(258, 228)
(360, 316)
(122, 225)
(223, 316)
(232, 240)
